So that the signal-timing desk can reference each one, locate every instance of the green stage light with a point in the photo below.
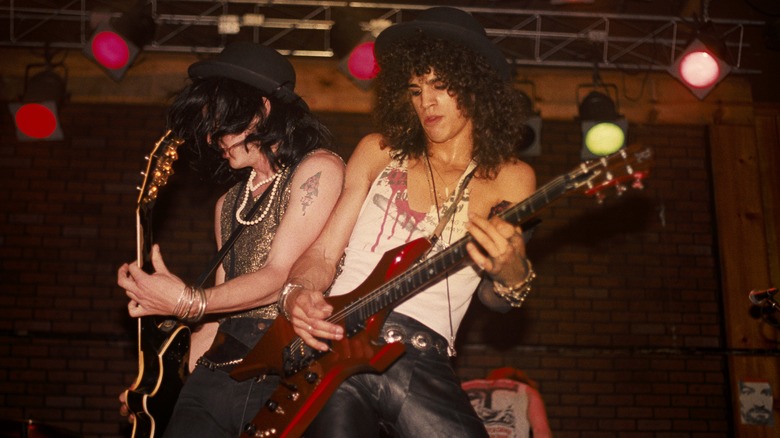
(604, 131)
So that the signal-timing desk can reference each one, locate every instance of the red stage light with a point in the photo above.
(116, 42)
(702, 65)
(36, 114)
(36, 120)
(110, 50)
(699, 69)
(361, 63)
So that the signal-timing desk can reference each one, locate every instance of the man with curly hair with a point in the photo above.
(444, 160)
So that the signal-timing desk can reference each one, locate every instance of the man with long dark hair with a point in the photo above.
(443, 162)
(241, 119)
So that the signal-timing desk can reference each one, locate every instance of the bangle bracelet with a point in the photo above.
(515, 295)
(201, 293)
(283, 294)
(191, 305)
(178, 310)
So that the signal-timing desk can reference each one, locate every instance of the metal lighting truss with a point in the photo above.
(307, 29)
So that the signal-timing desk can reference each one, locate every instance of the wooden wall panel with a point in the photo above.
(768, 147)
(743, 244)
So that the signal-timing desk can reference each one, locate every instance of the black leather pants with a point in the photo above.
(418, 396)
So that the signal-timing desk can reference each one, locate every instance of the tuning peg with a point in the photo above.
(638, 184)
(600, 197)
(620, 189)
(147, 157)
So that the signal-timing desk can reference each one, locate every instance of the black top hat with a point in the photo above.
(253, 64)
(449, 24)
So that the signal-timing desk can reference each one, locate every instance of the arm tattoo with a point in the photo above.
(310, 191)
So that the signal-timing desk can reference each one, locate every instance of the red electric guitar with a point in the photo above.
(163, 343)
(309, 377)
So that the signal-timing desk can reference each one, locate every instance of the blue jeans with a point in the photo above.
(212, 404)
(417, 396)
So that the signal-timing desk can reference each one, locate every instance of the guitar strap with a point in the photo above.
(217, 259)
(454, 206)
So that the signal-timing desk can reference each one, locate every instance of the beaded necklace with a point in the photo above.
(248, 193)
(253, 175)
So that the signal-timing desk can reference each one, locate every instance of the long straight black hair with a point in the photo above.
(211, 108)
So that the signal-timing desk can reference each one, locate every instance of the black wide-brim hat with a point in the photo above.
(449, 24)
(253, 64)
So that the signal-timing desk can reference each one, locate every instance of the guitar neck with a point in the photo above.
(592, 177)
(158, 169)
(143, 233)
(429, 270)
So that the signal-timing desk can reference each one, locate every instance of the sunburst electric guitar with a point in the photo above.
(163, 343)
(309, 377)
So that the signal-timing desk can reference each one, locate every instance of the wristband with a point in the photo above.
(516, 294)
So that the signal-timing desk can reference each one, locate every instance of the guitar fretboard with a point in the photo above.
(433, 268)
(592, 177)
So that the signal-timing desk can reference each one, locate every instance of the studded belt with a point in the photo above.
(399, 329)
(210, 364)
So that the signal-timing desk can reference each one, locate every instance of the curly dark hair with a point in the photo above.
(216, 107)
(492, 104)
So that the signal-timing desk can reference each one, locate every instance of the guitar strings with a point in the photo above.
(558, 182)
(414, 270)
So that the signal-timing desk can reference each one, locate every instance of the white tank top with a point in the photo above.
(385, 222)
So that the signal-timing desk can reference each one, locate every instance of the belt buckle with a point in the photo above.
(394, 333)
(421, 341)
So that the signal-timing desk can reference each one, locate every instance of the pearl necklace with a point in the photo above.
(253, 175)
(248, 193)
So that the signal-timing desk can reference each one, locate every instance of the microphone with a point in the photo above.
(758, 297)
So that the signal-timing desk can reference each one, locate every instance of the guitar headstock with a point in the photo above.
(159, 168)
(626, 168)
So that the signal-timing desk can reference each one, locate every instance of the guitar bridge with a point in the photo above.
(298, 356)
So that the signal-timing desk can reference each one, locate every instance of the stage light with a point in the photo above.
(116, 43)
(604, 131)
(353, 42)
(531, 130)
(228, 25)
(702, 65)
(360, 65)
(36, 115)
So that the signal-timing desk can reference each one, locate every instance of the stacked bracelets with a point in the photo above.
(283, 294)
(516, 294)
(191, 305)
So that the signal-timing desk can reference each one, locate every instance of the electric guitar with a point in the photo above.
(309, 377)
(163, 343)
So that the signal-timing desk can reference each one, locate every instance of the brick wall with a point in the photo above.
(622, 331)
